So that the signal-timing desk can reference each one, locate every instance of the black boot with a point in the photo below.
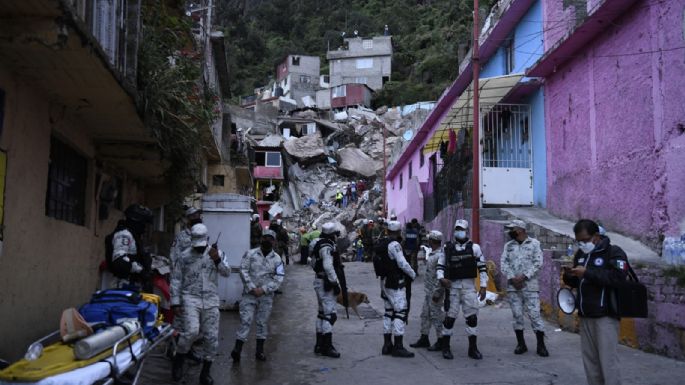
(387, 344)
(446, 350)
(319, 341)
(259, 354)
(235, 353)
(327, 348)
(423, 342)
(520, 343)
(398, 349)
(473, 349)
(205, 376)
(193, 357)
(542, 349)
(177, 366)
(437, 346)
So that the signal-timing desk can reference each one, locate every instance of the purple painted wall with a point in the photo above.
(615, 120)
(401, 200)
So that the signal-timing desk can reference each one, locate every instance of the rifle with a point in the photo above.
(215, 245)
(408, 294)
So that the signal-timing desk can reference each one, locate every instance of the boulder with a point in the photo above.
(354, 161)
(272, 140)
(307, 149)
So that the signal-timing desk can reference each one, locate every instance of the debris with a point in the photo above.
(355, 161)
(308, 148)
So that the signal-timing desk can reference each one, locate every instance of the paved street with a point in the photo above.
(291, 359)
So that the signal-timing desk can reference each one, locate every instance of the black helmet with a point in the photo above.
(138, 213)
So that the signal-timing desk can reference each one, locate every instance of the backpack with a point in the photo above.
(115, 306)
(629, 298)
(382, 265)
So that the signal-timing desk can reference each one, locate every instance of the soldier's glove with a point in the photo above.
(136, 267)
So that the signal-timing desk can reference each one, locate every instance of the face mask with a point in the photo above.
(460, 234)
(586, 247)
(513, 234)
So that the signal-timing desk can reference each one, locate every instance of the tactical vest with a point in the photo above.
(460, 264)
(318, 259)
(411, 236)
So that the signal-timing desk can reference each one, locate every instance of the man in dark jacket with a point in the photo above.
(597, 267)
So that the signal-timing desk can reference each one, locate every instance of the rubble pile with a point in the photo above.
(348, 149)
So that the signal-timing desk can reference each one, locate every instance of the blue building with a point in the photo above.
(512, 125)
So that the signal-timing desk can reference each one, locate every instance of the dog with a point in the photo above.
(354, 299)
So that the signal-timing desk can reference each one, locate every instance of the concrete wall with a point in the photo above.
(538, 134)
(46, 265)
(615, 125)
(345, 70)
(228, 172)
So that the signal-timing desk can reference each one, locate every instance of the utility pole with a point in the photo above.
(475, 198)
(385, 166)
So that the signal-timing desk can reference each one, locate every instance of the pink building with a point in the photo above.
(615, 114)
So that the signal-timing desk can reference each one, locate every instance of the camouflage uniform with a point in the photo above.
(525, 259)
(326, 299)
(395, 300)
(432, 313)
(194, 285)
(256, 270)
(463, 292)
(181, 242)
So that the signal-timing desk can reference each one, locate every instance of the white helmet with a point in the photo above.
(198, 235)
(268, 233)
(328, 228)
(435, 235)
(279, 221)
(394, 226)
(463, 223)
(192, 210)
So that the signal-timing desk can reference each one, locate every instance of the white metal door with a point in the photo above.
(506, 155)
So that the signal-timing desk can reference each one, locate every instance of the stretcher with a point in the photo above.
(57, 366)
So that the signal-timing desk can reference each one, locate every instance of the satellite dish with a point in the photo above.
(566, 300)
(408, 135)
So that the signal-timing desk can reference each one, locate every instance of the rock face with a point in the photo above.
(307, 149)
(354, 161)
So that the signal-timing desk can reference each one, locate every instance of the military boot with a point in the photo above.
(398, 349)
(473, 348)
(423, 342)
(387, 344)
(235, 353)
(542, 349)
(438, 345)
(520, 343)
(327, 348)
(259, 354)
(319, 341)
(446, 350)
(177, 366)
(205, 376)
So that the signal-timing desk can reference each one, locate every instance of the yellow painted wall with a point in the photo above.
(46, 265)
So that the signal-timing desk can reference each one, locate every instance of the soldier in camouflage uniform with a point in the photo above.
(462, 261)
(521, 263)
(182, 241)
(262, 272)
(194, 293)
(326, 287)
(432, 313)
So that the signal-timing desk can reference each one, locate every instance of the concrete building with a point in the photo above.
(614, 107)
(424, 179)
(297, 78)
(74, 153)
(363, 61)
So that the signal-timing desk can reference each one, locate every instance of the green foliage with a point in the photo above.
(176, 106)
(426, 37)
